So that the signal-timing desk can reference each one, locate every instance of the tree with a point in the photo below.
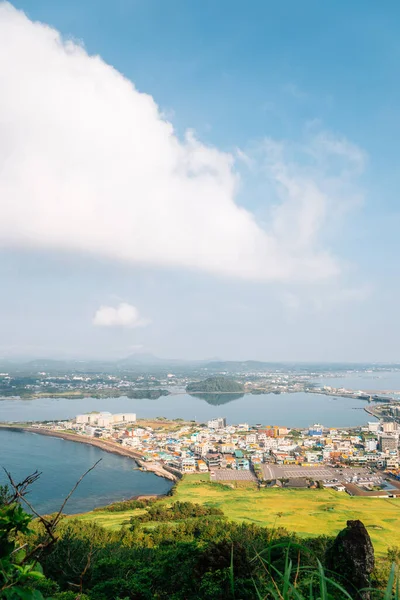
(18, 570)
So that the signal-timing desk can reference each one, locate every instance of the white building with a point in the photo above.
(122, 418)
(201, 449)
(105, 419)
(371, 445)
(373, 426)
(219, 423)
(392, 461)
(89, 430)
(389, 426)
(133, 442)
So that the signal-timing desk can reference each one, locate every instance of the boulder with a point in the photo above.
(351, 556)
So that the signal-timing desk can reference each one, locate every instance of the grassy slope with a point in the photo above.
(303, 511)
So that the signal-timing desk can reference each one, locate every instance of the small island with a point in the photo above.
(216, 385)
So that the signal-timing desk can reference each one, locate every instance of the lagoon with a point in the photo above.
(294, 410)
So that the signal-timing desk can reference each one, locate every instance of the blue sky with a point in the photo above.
(303, 98)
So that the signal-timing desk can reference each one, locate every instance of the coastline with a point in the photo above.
(107, 446)
(353, 394)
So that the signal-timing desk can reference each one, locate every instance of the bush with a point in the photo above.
(123, 506)
(176, 512)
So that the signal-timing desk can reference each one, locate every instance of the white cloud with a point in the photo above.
(89, 164)
(123, 315)
(326, 144)
(316, 182)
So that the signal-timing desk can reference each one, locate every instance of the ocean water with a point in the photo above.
(375, 381)
(293, 410)
(62, 463)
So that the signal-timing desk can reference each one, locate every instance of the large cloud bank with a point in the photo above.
(88, 164)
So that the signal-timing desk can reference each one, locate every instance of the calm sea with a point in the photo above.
(62, 463)
(378, 381)
(293, 410)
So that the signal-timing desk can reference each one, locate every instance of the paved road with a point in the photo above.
(268, 471)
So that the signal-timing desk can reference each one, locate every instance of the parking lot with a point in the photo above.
(321, 473)
(232, 475)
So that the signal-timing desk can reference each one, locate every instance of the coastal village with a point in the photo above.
(359, 461)
(40, 383)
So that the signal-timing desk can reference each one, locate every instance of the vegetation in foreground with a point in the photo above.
(179, 550)
(306, 512)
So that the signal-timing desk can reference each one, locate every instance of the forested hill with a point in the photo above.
(214, 385)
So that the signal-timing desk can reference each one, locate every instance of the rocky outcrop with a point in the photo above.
(351, 557)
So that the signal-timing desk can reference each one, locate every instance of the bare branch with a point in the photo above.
(76, 485)
(20, 491)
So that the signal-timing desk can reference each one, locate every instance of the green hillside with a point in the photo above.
(215, 385)
(307, 512)
(207, 541)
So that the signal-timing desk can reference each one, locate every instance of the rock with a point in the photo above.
(352, 557)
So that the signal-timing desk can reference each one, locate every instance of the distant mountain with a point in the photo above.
(149, 364)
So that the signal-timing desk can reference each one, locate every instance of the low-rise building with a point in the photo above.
(213, 460)
(242, 464)
(218, 423)
(388, 442)
(201, 466)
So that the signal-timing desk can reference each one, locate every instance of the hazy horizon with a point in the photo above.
(147, 359)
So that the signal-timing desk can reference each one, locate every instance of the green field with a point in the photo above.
(308, 512)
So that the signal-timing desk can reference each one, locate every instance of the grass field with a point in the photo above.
(308, 512)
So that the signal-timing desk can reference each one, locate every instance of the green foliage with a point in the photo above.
(141, 394)
(5, 495)
(215, 385)
(124, 505)
(17, 575)
(182, 551)
(176, 512)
